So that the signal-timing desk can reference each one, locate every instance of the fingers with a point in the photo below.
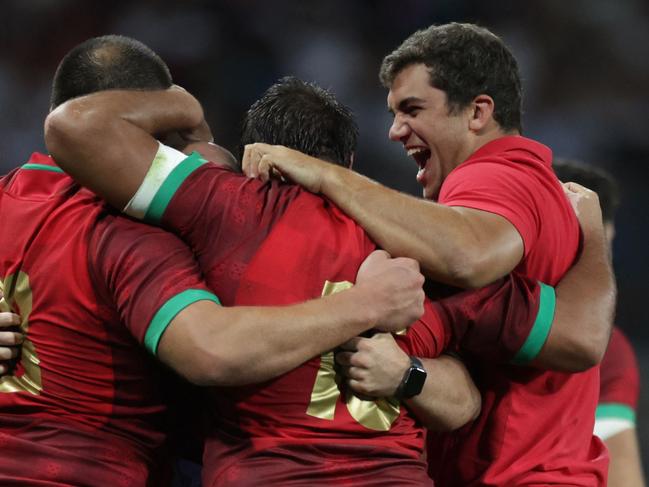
(252, 155)
(9, 319)
(352, 345)
(8, 353)
(10, 338)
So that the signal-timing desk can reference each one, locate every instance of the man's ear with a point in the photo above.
(482, 112)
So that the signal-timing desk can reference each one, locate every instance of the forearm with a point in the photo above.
(625, 469)
(243, 345)
(453, 245)
(106, 140)
(449, 398)
(584, 311)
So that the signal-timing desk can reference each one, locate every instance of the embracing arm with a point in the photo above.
(585, 296)
(213, 345)
(106, 140)
(458, 246)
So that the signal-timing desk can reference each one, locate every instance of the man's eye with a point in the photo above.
(412, 111)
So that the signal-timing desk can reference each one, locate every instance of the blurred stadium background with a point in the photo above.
(585, 65)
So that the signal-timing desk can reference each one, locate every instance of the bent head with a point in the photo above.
(453, 88)
(305, 117)
(108, 63)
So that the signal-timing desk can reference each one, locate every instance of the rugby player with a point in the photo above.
(273, 430)
(455, 94)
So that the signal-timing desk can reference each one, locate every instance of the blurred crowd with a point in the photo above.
(584, 66)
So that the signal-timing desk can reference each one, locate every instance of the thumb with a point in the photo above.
(375, 258)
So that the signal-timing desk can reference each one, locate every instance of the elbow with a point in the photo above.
(212, 369)
(67, 126)
(586, 353)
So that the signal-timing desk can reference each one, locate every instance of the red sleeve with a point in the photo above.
(148, 275)
(516, 191)
(507, 321)
(619, 376)
(428, 337)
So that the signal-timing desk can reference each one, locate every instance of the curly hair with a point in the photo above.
(464, 61)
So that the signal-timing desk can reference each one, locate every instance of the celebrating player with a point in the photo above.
(255, 241)
(455, 93)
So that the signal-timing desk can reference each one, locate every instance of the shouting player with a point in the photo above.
(285, 430)
(455, 94)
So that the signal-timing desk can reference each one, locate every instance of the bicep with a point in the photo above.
(113, 168)
(493, 244)
(185, 343)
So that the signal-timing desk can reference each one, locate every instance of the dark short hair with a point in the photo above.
(464, 61)
(595, 179)
(108, 63)
(305, 117)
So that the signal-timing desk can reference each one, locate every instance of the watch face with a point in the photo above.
(414, 383)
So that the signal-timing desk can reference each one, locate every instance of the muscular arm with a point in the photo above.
(458, 246)
(213, 345)
(105, 140)
(585, 297)
(449, 398)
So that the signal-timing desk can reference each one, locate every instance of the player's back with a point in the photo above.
(274, 244)
(68, 415)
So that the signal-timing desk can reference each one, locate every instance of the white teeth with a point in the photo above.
(415, 150)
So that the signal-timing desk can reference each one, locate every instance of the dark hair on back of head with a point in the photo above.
(595, 179)
(304, 117)
(108, 63)
(464, 61)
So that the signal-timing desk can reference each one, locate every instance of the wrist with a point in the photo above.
(413, 380)
(330, 177)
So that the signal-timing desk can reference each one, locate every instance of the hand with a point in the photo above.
(586, 205)
(373, 367)
(9, 340)
(276, 161)
(395, 286)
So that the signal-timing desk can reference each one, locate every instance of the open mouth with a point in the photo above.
(420, 155)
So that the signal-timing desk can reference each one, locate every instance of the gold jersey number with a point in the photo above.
(376, 415)
(17, 297)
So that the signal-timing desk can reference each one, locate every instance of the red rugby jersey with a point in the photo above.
(83, 405)
(619, 387)
(269, 244)
(535, 427)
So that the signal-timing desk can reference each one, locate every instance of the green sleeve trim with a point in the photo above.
(614, 410)
(42, 167)
(168, 312)
(170, 186)
(541, 328)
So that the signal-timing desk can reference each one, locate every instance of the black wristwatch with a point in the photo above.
(413, 380)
